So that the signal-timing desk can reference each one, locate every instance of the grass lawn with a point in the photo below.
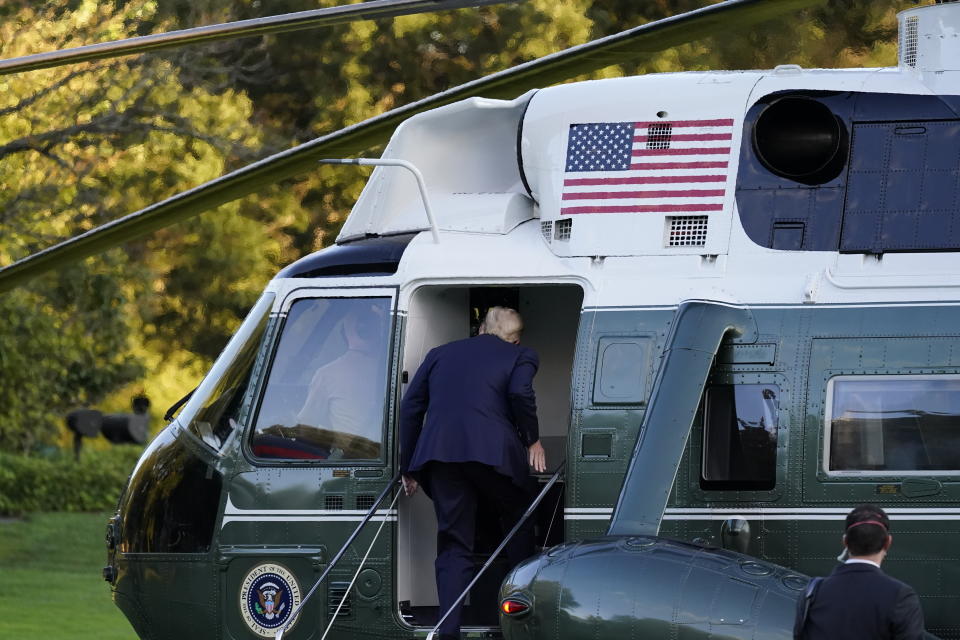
(50, 582)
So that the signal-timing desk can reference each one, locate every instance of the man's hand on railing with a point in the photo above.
(538, 457)
(410, 485)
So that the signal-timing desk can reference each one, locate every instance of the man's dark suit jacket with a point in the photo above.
(860, 602)
(477, 395)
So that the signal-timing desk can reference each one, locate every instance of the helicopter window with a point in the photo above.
(740, 437)
(324, 399)
(893, 423)
(214, 411)
(621, 373)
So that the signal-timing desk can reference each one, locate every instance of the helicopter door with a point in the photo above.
(441, 313)
(319, 453)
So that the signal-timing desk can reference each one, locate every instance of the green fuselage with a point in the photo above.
(194, 523)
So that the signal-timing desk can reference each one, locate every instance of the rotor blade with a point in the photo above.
(242, 28)
(621, 47)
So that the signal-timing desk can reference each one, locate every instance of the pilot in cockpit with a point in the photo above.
(336, 400)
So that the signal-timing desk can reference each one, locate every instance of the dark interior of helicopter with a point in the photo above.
(440, 314)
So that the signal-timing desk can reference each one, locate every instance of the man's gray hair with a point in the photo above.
(503, 322)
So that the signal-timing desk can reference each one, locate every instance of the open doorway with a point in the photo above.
(441, 314)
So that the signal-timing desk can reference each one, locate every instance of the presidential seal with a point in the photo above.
(268, 595)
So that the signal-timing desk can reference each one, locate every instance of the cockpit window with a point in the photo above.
(325, 397)
(893, 424)
(214, 411)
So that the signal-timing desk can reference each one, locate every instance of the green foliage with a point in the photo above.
(61, 483)
(80, 146)
(84, 144)
(63, 343)
(847, 33)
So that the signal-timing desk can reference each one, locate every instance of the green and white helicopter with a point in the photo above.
(743, 289)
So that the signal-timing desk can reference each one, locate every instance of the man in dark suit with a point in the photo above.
(479, 434)
(858, 601)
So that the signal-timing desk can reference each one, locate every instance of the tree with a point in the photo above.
(88, 143)
(841, 33)
(84, 145)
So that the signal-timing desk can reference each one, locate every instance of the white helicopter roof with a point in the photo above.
(490, 165)
(468, 155)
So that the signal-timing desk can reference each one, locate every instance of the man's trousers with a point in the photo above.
(456, 489)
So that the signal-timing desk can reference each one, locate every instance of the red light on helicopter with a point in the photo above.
(513, 607)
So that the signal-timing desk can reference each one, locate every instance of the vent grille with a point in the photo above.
(546, 228)
(908, 41)
(365, 502)
(333, 503)
(686, 231)
(659, 135)
(563, 229)
(334, 595)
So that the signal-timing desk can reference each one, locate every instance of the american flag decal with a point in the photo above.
(636, 167)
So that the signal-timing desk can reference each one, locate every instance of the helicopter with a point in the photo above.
(742, 287)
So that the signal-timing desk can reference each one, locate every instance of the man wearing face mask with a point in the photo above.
(858, 601)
